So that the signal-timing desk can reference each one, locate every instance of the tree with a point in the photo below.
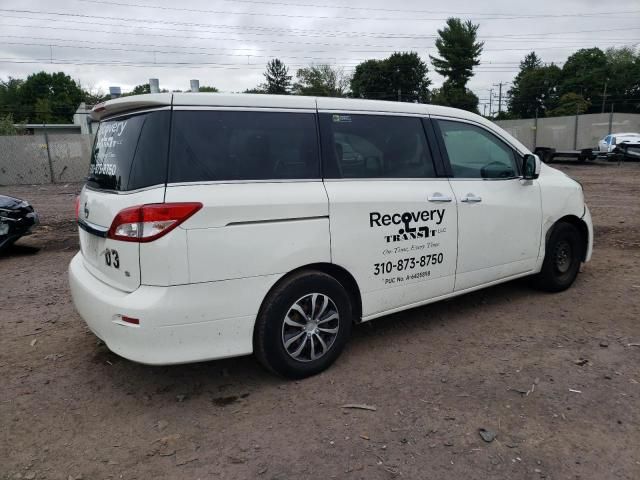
(140, 89)
(277, 77)
(10, 99)
(370, 80)
(58, 93)
(570, 104)
(459, 53)
(531, 61)
(322, 81)
(456, 97)
(623, 83)
(206, 88)
(535, 88)
(93, 95)
(6, 125)
(254, 90)
(585, 73)
(43, 112)
(402, 76)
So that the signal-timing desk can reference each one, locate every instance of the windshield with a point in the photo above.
(130, 152)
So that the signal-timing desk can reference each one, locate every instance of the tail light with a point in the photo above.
(77, 208)
(145, 223)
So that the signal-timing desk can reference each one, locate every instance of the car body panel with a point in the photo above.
(97, 209)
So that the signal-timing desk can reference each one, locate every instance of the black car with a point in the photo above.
(17, 218)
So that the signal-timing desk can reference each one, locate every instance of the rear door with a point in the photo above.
(257, 174)
(499, 214)
(393, 220)
(128, 167)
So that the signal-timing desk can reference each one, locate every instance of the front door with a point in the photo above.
(393, 221)
(499, 214)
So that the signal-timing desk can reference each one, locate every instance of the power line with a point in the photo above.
(404, 10)
(484, 16)
(395, 48)
(195, 47)
(323, 33)
(330, 59)
(233, 66)
(271, 30)
(190, 37)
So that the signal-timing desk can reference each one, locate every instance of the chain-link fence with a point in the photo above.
(44, 158)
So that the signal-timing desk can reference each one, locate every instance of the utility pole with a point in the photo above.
(484, 110)
(490, 100)
(604, 94)
(499, 85)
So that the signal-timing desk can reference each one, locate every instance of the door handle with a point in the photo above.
(439, 198)
(471, 198)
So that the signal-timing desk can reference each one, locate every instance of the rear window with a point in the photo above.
(130, 152)
(227, 145)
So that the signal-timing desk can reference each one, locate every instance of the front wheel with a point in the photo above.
(562, 259)
(303, 325)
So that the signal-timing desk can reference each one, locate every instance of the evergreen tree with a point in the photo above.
(278, 80)
(535, 88)
(459, 53)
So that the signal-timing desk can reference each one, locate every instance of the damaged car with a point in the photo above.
(17, 218)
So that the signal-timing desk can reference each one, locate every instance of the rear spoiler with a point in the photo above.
(126, 104)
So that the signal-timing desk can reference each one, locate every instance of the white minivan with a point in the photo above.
(216, 225)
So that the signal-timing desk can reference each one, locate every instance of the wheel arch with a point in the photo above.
(342, 275)
(580, 225)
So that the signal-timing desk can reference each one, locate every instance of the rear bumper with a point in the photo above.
(178, 324)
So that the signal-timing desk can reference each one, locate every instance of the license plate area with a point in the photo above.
(90, 245)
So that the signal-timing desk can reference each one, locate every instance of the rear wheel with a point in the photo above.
(303, 325)
(562, 259)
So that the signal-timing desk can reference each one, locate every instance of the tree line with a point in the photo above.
(590, 81)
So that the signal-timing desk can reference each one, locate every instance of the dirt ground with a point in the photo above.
(556, 377)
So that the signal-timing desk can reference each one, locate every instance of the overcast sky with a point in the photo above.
(226, 43)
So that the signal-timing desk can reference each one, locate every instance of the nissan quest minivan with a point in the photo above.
(216, 225)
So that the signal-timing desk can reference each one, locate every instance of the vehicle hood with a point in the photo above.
(12, 203)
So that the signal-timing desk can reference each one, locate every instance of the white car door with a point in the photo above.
(392, 219)
(499, 214)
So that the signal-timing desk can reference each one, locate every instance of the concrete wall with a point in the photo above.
(24, 159)
(560, 132)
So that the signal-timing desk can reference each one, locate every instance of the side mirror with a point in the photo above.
(531, 166)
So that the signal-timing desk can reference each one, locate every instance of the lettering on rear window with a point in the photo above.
(130, 153)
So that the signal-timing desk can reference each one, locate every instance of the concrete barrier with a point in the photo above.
(572, 132)
(38, 159)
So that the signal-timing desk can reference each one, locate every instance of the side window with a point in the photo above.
(476, 153)
(374, 146)
(226, 145)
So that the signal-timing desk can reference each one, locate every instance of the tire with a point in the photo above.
(292, 348)
(562, 259)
